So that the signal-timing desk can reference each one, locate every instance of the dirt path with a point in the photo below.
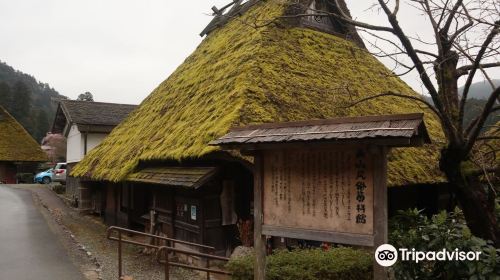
(84, 237)
(29, 249)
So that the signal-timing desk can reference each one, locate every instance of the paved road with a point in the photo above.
(29, 250)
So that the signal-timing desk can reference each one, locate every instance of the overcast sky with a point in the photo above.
(119, 50)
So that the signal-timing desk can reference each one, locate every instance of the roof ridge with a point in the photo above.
(358, 119)
(96, 102)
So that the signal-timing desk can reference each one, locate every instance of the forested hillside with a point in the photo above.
(481, 90)
(28, 100)
(478, 95)
(476, 99)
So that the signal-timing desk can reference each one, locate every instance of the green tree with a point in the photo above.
(21, 101)
(27, 110)
(5, 95)
(21, 108)
(42, 124)
(87, 96)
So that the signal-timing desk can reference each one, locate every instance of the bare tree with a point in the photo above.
(464, 46)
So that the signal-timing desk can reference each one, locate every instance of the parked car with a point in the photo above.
(44, 177)
(59, 173)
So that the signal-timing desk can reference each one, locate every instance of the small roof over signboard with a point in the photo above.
(189, 177)
(389, 130)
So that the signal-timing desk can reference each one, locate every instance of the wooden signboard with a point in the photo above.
(336, 194)
(319, 194)
(323, 180)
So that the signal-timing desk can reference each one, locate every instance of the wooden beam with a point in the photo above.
(259, 239)
(380, 207)
(319, 235)
(172, 194)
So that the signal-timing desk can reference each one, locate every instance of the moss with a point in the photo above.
(240, 75)
(15, 142)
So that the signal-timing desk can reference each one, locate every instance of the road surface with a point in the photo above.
(29, 250)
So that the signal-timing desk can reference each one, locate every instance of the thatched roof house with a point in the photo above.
(15, 142)
(89, 116)
(243, 75)
(16, 147)
(85, 124)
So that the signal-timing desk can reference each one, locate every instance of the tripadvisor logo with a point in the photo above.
(387, 255)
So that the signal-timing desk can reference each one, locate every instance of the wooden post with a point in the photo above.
(259, 239)
(174, 215)
(152, 225)
(117, 203)
(379, 207)
(173, 211)
(120, 273)
(167, 265)
(85, 145)
(130, 192)
(208, 267)
(201, 219)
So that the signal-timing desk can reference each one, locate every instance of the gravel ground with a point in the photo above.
(84, 236)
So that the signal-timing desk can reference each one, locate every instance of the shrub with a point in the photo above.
(59, 189)
(410, 229)
(336, 263)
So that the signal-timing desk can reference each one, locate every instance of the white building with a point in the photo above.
(85, 124)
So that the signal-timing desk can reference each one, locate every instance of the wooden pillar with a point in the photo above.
(117, 203)
(130, 192)
(379, 206)
(174, 213)
(85, 140)
(259, 239)
(200, 208)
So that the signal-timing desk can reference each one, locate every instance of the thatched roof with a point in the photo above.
(241, 75)
(91, 112)
(15, 142)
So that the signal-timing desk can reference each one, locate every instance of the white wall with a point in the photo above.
(75, 144)
(94, 139)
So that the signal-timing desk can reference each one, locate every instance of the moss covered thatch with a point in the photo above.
(15, 142)
(240, 75)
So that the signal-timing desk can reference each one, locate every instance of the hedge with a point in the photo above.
(316, 264)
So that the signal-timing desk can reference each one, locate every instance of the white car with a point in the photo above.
(59, 173)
